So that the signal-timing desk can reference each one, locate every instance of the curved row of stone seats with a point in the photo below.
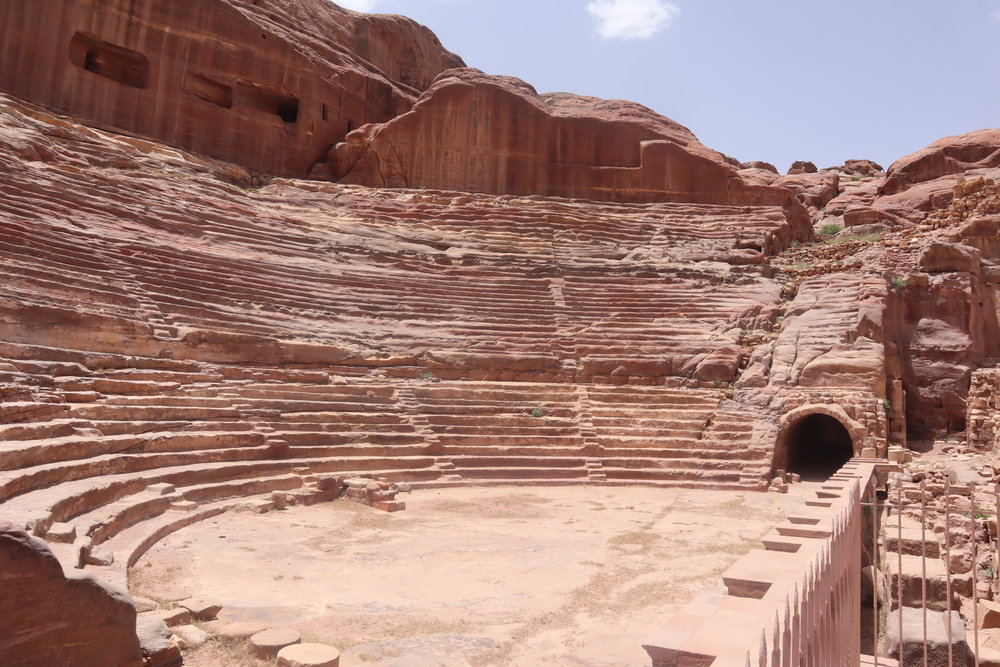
(507, 431)
(491, 428)
(472, 276)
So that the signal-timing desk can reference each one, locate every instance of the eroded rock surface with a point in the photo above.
(48, 618)
(267, 85)
(478, 133)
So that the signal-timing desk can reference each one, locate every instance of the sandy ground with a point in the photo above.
(472, 576)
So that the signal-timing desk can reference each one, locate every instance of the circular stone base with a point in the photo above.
(267, 644)
(309, 655)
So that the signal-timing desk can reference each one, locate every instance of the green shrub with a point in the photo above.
(537, 412)
(850, 238)
(830, 230)
(898, 283)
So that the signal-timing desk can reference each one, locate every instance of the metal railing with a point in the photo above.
(955, 510)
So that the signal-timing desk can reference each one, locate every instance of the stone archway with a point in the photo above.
(816, 440)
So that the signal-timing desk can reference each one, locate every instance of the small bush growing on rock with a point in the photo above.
(886, 405)
(830, 230)
(802, 266)
(427, 375)
(537, 412)
(852, 238)
(898, 283)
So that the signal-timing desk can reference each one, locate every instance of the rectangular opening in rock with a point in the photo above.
(119, 64)
(270, 100)
(209, 90)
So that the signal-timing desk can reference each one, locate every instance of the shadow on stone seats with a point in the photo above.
(818, 445)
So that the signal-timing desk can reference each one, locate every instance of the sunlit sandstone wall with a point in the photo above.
(473, 132)
(244, 84)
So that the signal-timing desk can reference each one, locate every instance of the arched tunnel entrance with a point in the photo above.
(818, 445)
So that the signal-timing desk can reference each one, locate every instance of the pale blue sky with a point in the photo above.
(773, 80)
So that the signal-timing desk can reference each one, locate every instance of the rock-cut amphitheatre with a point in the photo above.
(272, 271)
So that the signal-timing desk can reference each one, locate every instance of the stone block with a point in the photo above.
(908, 648)
(172, 617)
(63, 533)
(279, 499)
(266, 645)
(239, 630)
(202, 610)
(156, 640)
(389, 505)
(989, 614)
(190, 636)
(144, 604)
(309, 655)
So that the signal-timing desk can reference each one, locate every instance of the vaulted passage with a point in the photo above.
(818, 445)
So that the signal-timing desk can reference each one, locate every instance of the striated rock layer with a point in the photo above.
(268, 85)
(502, 286)
(477, 133)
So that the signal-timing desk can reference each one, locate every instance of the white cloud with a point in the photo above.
(357, 5)
(632, 19)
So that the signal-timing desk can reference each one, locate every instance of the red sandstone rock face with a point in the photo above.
(813, 189)
(373, 293)
(267, 85)
(47, 618)
(476, 133)
(951, 155)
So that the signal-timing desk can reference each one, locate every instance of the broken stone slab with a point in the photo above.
(144, 604)
(898, 455)
(190, 636)
(309, 655)
(279, 500)
(161, 488)
(201, 609)
(989, 614)
(99, 556)
(389, 505)
(184, 505)
(256, 506)
(267, 644)
(172, 617)
(64, 533)
(240, 630)
(156, 641)
(908, 648)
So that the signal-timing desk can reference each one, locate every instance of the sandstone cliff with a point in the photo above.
(472, 132)
(267, 85)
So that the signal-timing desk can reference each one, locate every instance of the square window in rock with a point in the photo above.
(270, 100)
(91, 53)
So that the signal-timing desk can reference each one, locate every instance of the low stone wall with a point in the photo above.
(798, 596)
